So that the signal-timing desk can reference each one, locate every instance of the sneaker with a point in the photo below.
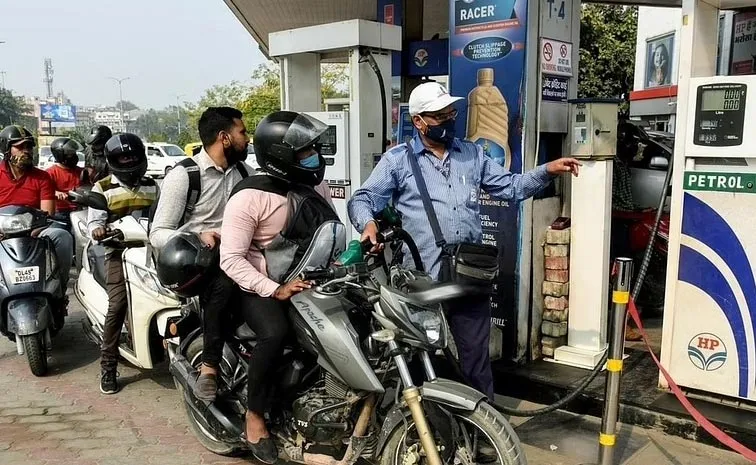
(109, 382)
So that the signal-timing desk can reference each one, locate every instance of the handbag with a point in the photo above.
(462, 263)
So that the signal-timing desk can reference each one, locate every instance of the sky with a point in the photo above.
(166, 48)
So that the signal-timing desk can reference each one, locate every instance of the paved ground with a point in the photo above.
(63, 419)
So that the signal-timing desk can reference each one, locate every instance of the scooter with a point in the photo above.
(151, 306)
(32, 298)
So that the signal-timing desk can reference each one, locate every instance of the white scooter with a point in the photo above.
(152, 308)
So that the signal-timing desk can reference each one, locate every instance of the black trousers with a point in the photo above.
(267, 318)
(470, 324)
(216, 319)
(118, 305)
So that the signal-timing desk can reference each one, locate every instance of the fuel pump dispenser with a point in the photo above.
(709, 330)
(593, 140)
(355, 140)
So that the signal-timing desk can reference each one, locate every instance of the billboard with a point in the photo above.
(743, 43)
(486, 65)
(57, 113)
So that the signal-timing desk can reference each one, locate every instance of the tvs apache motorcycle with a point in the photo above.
(344, 384)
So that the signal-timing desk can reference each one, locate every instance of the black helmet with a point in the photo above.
(99, 135)
(66, 151)
(278, 139)
(124, 145)
(12, 135)
(184, 262)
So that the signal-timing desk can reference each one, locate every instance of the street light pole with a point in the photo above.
(178, 113)
(120, 97)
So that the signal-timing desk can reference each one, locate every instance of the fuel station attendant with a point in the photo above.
(454, 171)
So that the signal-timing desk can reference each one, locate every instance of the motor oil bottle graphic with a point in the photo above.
(488, 119)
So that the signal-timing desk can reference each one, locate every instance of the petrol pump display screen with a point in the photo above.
(327, 142)
(720, 115)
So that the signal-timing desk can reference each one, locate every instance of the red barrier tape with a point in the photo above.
(710, 428)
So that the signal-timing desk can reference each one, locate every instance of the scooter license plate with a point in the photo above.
(28, 274)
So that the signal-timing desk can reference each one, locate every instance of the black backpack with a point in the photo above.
(194, 191)
(307, 211)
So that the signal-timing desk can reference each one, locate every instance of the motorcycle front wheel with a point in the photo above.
(34, 347)
(206, 437)
(482, 436)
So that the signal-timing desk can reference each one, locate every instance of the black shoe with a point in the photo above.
(206, 387)
(109, 382)
(264, 450)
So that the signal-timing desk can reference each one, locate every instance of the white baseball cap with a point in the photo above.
(429, 97)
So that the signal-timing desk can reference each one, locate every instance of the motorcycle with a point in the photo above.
(32, 299)
(340, 379)
(151, 306)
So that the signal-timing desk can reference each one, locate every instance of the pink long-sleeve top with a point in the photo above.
(251, 221)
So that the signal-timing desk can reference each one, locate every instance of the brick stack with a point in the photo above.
(556, 290)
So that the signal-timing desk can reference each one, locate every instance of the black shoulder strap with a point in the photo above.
(429, 211)
(265, 183)
(195, 186)
(242, 170)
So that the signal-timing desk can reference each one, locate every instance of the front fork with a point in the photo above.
(413, 399)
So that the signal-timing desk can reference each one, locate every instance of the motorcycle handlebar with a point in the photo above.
(326, 274)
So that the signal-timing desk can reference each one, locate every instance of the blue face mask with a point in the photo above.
(313, 161)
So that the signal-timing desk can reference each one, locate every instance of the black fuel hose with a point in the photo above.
(561, 402)
(365, 52)
(549, 408)
(650, 246)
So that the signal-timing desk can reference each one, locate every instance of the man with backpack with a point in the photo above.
(192, 199)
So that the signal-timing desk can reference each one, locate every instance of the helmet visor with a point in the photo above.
(303, 132)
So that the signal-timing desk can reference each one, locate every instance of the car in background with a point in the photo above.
(193, 148)
(162, 157)
(649, 168)
(251, 158)
(46, 158)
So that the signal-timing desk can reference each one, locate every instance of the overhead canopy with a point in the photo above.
(261, 17)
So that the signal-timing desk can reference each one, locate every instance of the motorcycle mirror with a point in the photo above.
(658, 163)
(88, 198)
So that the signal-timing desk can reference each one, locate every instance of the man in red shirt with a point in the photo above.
(65, 174)
(22, 184)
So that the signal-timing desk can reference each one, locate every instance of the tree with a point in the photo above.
(263, 96)
(607, 50)
(127, 106)
(13, 109)
(74, 134)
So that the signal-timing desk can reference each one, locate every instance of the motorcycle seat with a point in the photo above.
(438, 293)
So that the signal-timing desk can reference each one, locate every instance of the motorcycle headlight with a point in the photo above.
(149, 280)
(430, 322)
(15, 224)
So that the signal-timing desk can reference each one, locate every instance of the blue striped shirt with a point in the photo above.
(453, 185)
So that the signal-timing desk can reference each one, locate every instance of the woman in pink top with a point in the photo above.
(285, 146)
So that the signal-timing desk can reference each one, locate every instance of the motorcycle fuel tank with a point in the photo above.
(322, 325)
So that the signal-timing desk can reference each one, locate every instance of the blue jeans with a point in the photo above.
(63, 243)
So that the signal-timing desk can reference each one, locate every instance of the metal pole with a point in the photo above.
(620, 298)
(120, 98)
(178, 114)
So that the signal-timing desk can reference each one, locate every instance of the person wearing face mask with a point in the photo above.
(22, 184)
(262, 210)
(182, 208)
(454, 171)
(66, 175)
